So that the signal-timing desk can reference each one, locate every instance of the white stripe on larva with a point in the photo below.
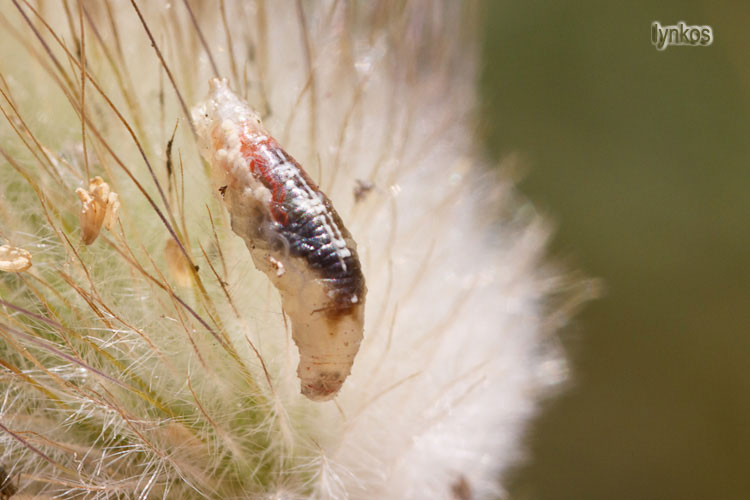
(293, 235)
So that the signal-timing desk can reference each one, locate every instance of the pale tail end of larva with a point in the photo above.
(327, 346)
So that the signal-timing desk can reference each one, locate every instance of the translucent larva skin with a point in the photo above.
(294, 236)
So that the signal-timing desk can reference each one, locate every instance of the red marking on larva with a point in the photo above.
(252, 149)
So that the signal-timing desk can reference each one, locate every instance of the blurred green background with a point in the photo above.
(642, 160)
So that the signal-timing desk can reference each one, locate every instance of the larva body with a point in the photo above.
(294, 236)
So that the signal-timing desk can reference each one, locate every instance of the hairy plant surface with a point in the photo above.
(142, 355)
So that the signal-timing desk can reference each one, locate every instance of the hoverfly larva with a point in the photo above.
(294, 236)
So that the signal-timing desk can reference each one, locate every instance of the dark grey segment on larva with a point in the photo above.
(307, 237)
